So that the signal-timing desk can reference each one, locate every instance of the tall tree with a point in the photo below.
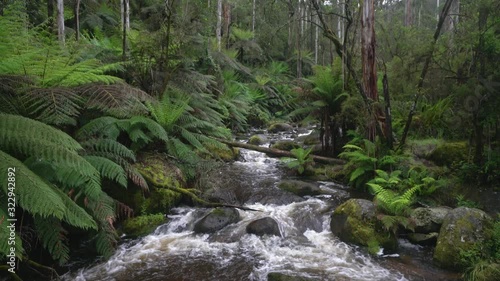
(368, 58)
(60, 21)
(218, 29)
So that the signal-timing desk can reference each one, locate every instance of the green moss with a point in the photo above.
(256, 140)
(285, 145)
(142, 225)
(160, 200)
(449, 153)
(224, 153)
(158, 171)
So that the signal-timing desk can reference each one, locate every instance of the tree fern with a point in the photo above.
(53, 238)
(108, 169)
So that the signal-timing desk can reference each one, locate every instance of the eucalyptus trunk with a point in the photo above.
(77, 20)
(368, 59)
(60, 21)
(218, 30)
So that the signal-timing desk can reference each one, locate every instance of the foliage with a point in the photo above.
(301, 161)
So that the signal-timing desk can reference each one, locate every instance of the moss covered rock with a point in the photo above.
(462, 229)
(428, 220)
(285, 145)
(355, 222)
(224, 152)
(257, 139)
(142, 225)
(449, 152)
(159, 200)
(157, 170)
(280, 127)
(277, 276)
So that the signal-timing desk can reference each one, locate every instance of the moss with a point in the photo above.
(224, 153)
(142, 225)
(449, 153)
(257, 140)
(279, 127)
(285, 145)
(157, 170)
(160, 200)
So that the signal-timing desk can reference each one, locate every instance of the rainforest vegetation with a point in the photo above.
(404, 93)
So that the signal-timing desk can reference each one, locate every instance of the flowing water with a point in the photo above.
(307, 248)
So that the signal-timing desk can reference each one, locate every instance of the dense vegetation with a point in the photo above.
(89, 87)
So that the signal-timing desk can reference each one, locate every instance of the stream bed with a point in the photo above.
(307, 247)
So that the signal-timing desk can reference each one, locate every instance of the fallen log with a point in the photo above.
(281, 153)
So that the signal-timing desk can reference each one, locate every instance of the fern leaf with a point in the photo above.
(109, 146)
(108, 169)
(103, 127)
(53, 238)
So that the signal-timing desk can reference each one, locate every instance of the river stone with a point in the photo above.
(285, 145)
(280, 127)
(428, 220)
(300, 188)
(423, 238)
(355, 222)
(216, 220)
(462, 228)
(277, 276)
(257, 139)
(264, 226)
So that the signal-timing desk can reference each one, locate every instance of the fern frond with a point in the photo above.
(18, 127)
(108, 169)
(103, 127)
(53, 238)
(106, 241)
(109, 146)
(33, 193)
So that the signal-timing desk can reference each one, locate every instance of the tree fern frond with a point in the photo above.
(108, 169)
(109, 146)
(106, 241)
(55, 105)
(33, 193)
(18, 127)
(104, 126)
(53, 238)
(74, 214)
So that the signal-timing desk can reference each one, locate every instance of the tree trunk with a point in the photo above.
(368, 59)
(227, 22)
(281, 153)
(77, 20)
(218, 30)
(253, 17)
(316, 40)
(427, 62)
(408, 13)
(50, 15)
(298, 40)
(125, 7)
(60, 21)
(388, 114)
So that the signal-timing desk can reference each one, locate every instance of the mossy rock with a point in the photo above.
(224, 153)
(159, 200)
(449, 153)
(285, 145)
(462, 229)
(142, 225)
(355, 222)
(428, 220)
(157, 170)
(257, 139)
(280, 127)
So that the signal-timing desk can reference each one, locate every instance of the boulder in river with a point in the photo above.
(280, 127)
(462, 228)
(355, 222)
(264, 226)
(285, 145)
(423, 238)
(257, 139)
(300, 188)
(428, 220)
(216, 219)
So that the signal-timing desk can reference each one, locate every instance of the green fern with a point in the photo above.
(108, 169)
(53, 238)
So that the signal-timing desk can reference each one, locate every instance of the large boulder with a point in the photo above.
(257, 139)
(280, 127)
(142, 225)
(426, 239)
(216, 220)
(428, 220)
(449, 153)
(264, 226)
(355, 222)
(462, 228)
(299, 188)
(285, 145)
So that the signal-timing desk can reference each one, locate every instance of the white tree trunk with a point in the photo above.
(253, 17)
(316, 40)
(60, 20)
(219, 25)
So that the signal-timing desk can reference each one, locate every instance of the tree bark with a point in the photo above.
(218, 30)
(60, 21)
(253, 17)
(427, 62)
(388, 114)
(77, 20)
(281, 153)
(125, 6)
(227, 21)
(368, 59)
(408, 13)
